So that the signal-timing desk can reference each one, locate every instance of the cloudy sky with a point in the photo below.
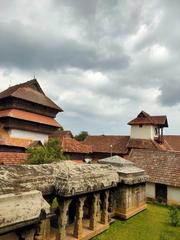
(102, 61)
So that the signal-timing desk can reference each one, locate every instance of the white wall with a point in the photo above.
(150, 190)
(173, 195)
(28, 135)
(144, 132)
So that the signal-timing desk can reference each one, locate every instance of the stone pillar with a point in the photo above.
(78, 225)
(63, 218)
(94, 211)
(105, 205)
(44, 230)
(28, 234)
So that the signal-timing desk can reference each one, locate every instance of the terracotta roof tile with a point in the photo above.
(145, 118)
(73, 146)
(173, 141)
(61, 134)
(141, 144)
(30, 91)
(103, 143)
(161, 166)
(28, 116)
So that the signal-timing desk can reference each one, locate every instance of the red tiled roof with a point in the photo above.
(103, 143)
(30, 91)
(173, 141)
(145, 118)
(71, 145)
(141, 144)
(161, 166)
(61, 134)
(28, 116)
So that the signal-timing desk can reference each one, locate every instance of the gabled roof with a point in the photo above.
(108, 143)
(146, 119)
(30, 91)
(161, 166)
(28, 116)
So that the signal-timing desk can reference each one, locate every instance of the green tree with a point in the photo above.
(81, 136)
(47, 153)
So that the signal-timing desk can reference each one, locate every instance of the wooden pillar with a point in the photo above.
(105, 205)
(94, 211)
(78, 225)
(63, 218)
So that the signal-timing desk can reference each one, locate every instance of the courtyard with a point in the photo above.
(151, 224)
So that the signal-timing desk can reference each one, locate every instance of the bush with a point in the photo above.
(47, 153)
(173, 215)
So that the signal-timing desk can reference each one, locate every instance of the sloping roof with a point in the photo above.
(61, 134)
(73, 146)
(30, 91)
(28, 116)
(145, 118)
(173, 141)
(141, 144)
(161, 166)
(103, 143)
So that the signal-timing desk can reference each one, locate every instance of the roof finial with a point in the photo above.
(34, 76)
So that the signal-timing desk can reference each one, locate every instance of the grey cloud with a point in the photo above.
(29, 50)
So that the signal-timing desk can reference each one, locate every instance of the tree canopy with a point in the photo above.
(81, 136)
(49, 152)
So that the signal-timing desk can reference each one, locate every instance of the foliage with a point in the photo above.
(81, 136)
(173, 215)
(150, 224)
(163, 236)
(47, 153)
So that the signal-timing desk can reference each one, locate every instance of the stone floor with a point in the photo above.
(87, 233)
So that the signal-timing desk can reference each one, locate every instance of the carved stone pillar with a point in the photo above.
(78, 225)
(105, 205)
(44, 230)
(63, 218)
(94, 211)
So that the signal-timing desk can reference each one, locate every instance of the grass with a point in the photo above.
(151, 224)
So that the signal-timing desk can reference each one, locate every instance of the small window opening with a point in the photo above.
(140, 125)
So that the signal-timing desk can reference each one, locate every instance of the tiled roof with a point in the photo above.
(73, 146)
(145, 118)
(103, 143)
(161, 166)
(61, 134)
(141, 144)
(28, 116)
(173, 141)
(30, 91)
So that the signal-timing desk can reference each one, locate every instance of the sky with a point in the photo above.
(101, 61)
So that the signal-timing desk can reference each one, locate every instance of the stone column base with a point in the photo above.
(127, 213)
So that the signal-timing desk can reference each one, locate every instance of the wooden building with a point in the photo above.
(27, 117)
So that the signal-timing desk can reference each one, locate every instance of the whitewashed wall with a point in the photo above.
(150, 190)
(173, 195)
(144, 132)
